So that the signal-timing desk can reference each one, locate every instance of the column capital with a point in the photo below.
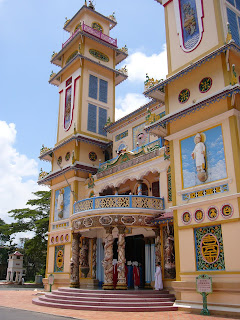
(108, 229)
(121, 229)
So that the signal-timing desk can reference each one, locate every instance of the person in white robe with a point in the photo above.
(158, 277)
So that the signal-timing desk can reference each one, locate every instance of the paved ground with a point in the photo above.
(22, 299)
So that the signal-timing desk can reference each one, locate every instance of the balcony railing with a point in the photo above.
(99, 34)
(119, 202)
(69, 39)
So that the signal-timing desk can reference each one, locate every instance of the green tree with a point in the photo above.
(34, 218)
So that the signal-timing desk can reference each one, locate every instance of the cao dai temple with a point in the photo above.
(160, 184)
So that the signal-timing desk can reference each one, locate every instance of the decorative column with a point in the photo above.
(139, 187)
(94, 258)
(83, 256)
(157, 246)
(108, 259)
(122, 283)
(116, 191)
(74, 264)
(147, 263)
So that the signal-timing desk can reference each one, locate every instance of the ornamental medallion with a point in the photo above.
(99, 55)
(205, 85)
(184, 95)
(199, 215)
(227, 211)
(189, 14)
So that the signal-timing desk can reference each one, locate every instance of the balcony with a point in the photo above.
(99, 34)
(116, 203)
(131, 158)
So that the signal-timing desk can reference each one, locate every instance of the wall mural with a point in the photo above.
(62, 204)
(168, 252)
(189, 14)
(203, 158)
(209, 248)
(140, 137)
(59, 259)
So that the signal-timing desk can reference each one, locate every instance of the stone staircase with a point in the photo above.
(108, 300)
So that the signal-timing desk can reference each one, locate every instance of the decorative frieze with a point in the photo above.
(205, 192)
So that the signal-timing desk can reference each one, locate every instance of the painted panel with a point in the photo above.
(59, 259)
(62, 204)
(203, 158)
(209, 248)
(140, 137)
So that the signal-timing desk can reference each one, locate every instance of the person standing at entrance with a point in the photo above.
(158, 277)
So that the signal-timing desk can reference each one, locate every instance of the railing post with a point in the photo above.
(93, 202)
(130, 201)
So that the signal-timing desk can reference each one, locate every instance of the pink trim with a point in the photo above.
(167, 3)
(198, 221)
(74, 94)
(218, 248)
(226, 204)
(99, 34)
(212, 207)
(189, 215)
(201, 35)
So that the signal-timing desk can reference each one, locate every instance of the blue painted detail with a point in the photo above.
(103, 90)
(232, 19)
(92, 118)
(102, 119)
(93, 87)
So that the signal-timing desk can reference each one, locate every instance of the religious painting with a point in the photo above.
(209, 248)
(140, 136)
(203, 158)
(59, 259)
(168, 252)
(68, 107)
(62, 204)
(189, 14)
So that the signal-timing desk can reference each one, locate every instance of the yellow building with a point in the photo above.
(161, 184)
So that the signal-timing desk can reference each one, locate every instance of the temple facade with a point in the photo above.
(160, 184)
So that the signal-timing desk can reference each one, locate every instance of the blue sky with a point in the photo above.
(31, 31)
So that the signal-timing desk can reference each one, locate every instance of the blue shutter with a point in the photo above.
(232, 19)
(232, 2)
(238, 4)
(92, 118)
(102, 119)
(103, 89)
(93, 87)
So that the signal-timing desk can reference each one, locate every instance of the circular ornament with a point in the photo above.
(199, 215)
(205, 85)
(184, 95)
(92, 156)
(210, 248)
(59, 160)
(212, 213)
(67, 156)
(186, 217)
(227, 210)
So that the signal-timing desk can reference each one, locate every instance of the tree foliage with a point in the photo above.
(34, 218)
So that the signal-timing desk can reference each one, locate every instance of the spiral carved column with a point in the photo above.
(108, 259)
(121, 284)
(157, 246)
(74, 264)
(94, 258)
(83, 257)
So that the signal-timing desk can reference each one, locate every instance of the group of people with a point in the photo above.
(134, 275)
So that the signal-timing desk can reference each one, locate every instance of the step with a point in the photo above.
(109, 299)
(101, 291)
(106, 303)
(104, 308)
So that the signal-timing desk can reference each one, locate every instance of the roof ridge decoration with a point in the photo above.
(229, 46)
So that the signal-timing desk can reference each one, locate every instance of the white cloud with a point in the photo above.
(129, 103)
(138, 64)
(18, 173)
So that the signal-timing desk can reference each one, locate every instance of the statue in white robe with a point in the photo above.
(158, 278)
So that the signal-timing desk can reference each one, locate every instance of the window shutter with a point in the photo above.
(232, 2)
(102, 119)
(232, 19)
(92, 118)
(93, 87)
(238, 4)
(103, 89)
